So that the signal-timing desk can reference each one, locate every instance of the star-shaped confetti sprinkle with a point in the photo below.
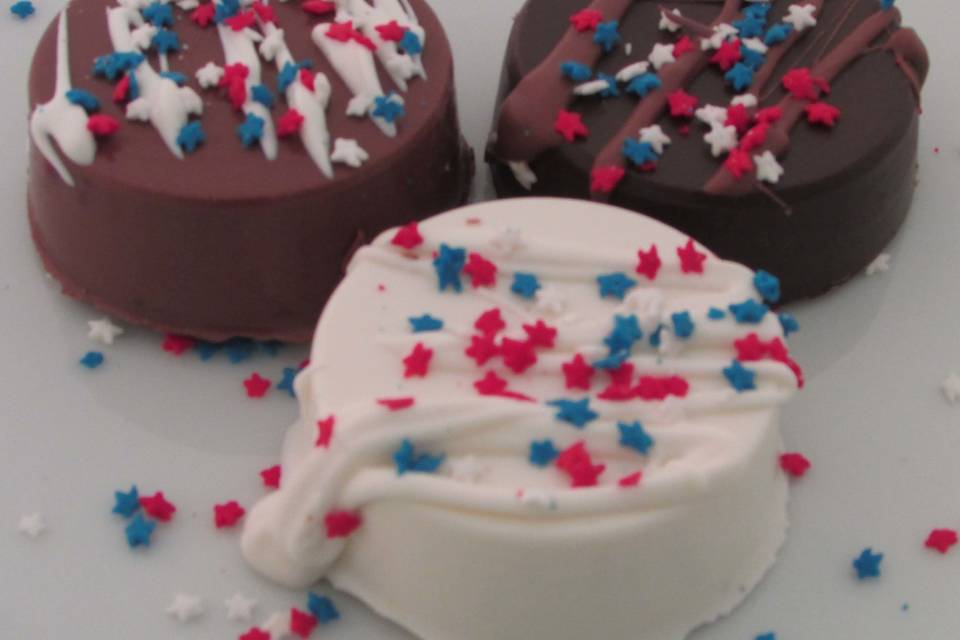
(576, 71)
(661, 55)
(716, 314)
(239, 607)
(727, 55)
(822, 113)
(586, 20)
(767, 285)
(23, 9)
(340, 524)
(721, 139)
(666, 24)
(407, 237)
(691, 260)
(576, 462)
(158, 507)
(951, 388)
(390, 31)
(322, 608)
(738, 163)
(543, 452)
(750, 26)
(139, 531)
(448, 264)
(191, 136)
(606, 179)
(348, 152)
(682, 46)
(481, 349)
(256, 385)
(867, 564)
(411, 44)
(577, 373)
(788, 323)
(569, 124)
(607, 35)
(408, 460)
(228, 514)
(83, 99)
(277, 626)
(655, 137)
(749, 311)
(417, 362)
(389, 108)
(103, 331)
(801, 17)
(185, 608)
(525, 285)
(643, 84)
(92, 359)
(800, 84)
(518, 356)
(32, 525)
(941, 540)
(575, 412)
(615, 285)
(777, 34)
(540, 334)
(768, 168)
(711, 114)
(626, 331)
(739, 377)
(880, 264)
(302, 624)
(286, 382)
(325, 431)
(271, 476)
(640, 154)
(794, 464)
(126, 503)
(165, 41)
(251, 130)
(634, 436)
(683, 325)
(648, 262)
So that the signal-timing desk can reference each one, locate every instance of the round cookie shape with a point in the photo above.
(781, 134)
(536, 413)
(208, 168)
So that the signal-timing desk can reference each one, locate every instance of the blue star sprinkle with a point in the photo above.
(525, 285)
(322, 608)
(286, 384)
(261, 94)
(206, 350)
(576, 71)
(633, 436)
(639, 153)
(83, 99)
(425, 323)
(165, 41)
(92, 359)
(757, 11)
(644, 84)
(655, 336)
(543, 452)
(682, 324)
(612, 361)
(867, 564)
(408, 461)
(770, 635)
(112, 65)
(752, 58)
(607, 35)
(777, 34)
(448, 264)
(740, 76)
(410, 43)
(716, 314)
(388, 108)
(288, 74)
(749, 311)
(158, 14)
(251, 130)
(176, 77)
(22, 9)
(271, 347)
(139, 531)
(226, 9)
(750, 27)
(626, 331)
(575, 412)
(788, 323)
(191, 136)
(767, 285)
(126, 503)
(239, 349)
(615, 285)
(611, 91)
(886, 5)
(739, 377)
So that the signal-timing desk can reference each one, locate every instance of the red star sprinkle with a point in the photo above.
(577, 373)
(652, 388)
(755, 137)
(630, 480)
(682, 46)
(264, 12)
(325, 431)
(490, 323)
(769, 115)
(177, 345)
(341, 524)
(396, 404)
(340, 31)
(822, 113)
(158, 507)
(122, 89)
(691, 260)
(738, 163)
(941, 540)
(102, 125)
(407, 237)
(800, 84)
(241, 21)
(586, 20)
(649, 262)
(319, 7)
(606, 179)
(682, 104)
(541, 334)
(795, 464)
(418, 362)
(234, 72)
(228, 514)
(575, 461)
(622, 375)
(493, 385)
(517, 356)
(256, 385)
(391, 31)
(237, 92)
(289, 123)
(271, 477)
(481, 349)
(677, 386)
(737, 116)
(301, 623)
(482, 272)
(617, 393)
(307, 79)
(569, 124)
(727, 55)
(750, 348)
(255, 633)
(203, 15)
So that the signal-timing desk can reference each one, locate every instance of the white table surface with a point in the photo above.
(883, 441)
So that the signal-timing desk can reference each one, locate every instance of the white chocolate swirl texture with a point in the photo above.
(489, 529)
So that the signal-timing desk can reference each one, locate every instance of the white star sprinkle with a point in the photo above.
(880, 264)
(209, 75)
(524, 174)
(103, 330)
(278, 626)
(508, 241)
(746, 99)
(951, 388)
(239, 607)
(661, 55)
(32, 525)
(666, 24)
(655, 137)
(347, 151)
(711, 114)
(801, 17)
(550, 301)
(721, 33)
(768, 169)
(138, 109)
(271, 45)
(721, 139)
(185, 607)
(631, 71)
(467, 469)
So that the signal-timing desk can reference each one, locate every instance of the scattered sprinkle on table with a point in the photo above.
(239, 607)
(256, 385)
(880, 264)
(185, 608)
(867, 564)
(92, 359)
(941, 540)
(951, 387)
(32, 525)
(103, 331)
(22, 9)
